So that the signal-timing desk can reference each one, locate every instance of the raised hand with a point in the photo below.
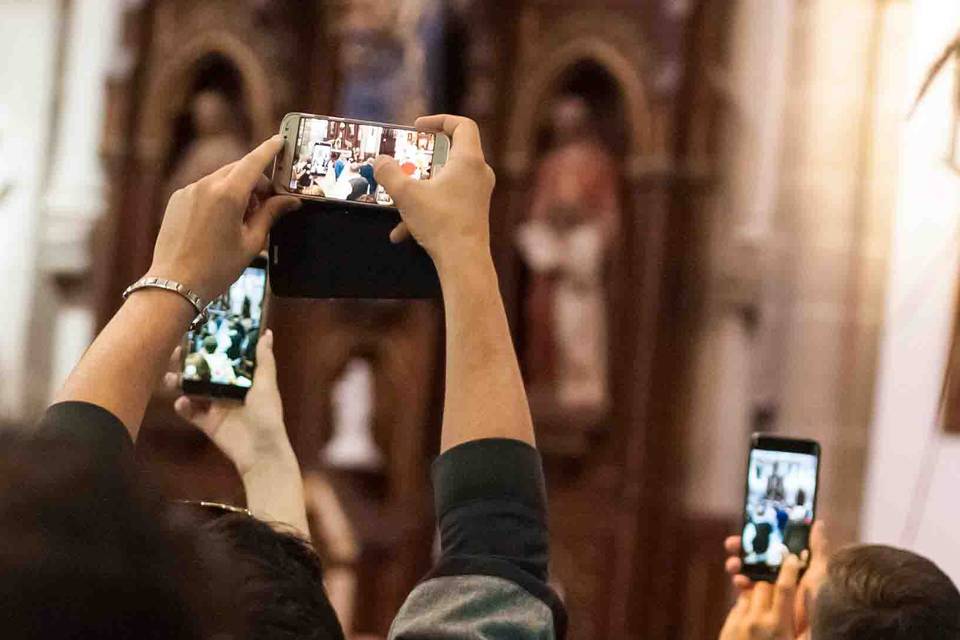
(817, 559)
(214, 227)
(448, 214)
(253, 436)
(766, 612)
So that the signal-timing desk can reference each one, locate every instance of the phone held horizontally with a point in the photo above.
(220, 355)
(329, 158)
(780, 502)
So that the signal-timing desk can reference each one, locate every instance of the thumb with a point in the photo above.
(204, 415)
(263, 217)
(266, 375)
(399, 233)
(388, 173)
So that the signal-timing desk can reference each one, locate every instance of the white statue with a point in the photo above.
(352, 445)
(565, 243)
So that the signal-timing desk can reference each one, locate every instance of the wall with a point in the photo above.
(56, 57)
(28, 49)
(914, 468)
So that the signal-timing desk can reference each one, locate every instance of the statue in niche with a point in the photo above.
(564, 243)
(352, 445)
(217, 139)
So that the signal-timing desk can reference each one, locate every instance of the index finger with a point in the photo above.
(786, 590)
(732, 545)
(464, 133)
(246, 172)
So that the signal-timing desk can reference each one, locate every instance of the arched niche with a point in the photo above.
(602, 60)
(558, 65)
(567, 319)
(212, 60)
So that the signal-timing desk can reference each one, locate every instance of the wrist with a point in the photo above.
(276, 463)
(189, 281)
(468, 261)
(163, 304)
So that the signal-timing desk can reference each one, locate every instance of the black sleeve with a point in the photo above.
(89, 427)
(491, 507)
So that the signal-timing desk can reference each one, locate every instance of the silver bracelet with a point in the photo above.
(174, 286)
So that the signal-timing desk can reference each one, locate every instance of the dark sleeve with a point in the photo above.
(491, 508)
(491, 503)
(89, 427)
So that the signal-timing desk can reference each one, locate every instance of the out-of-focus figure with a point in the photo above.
(565, 244)
(216, 140)
(352, 445)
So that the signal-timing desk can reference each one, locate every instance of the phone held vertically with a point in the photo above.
(780, 502)
(329, 158)
(220, 356)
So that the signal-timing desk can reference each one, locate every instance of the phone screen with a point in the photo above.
(780, 504)
(221, 354)
(334, 158)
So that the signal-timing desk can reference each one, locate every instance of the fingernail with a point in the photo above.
(268, 337)
(276, 137)
(296, 205)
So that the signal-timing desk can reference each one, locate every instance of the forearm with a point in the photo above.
(484, 396)
(274, 490)
(120, 369)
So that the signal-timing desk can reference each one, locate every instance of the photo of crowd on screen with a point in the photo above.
(334, 159)
(779, 510)
(223, 350)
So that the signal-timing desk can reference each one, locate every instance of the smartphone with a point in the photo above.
(328, 158)
(221, 355)
(780, 503)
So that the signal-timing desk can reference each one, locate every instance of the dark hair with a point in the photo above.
(875, 592)
(277, 580)
(82, 553)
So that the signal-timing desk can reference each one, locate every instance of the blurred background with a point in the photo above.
(775, 246)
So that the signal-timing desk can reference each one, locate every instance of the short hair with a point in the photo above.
(876, 592)
(277, 579)
(82, 551)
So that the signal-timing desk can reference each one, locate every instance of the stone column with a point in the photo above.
(739, 227)
(28, 41)
(74, 197)
(830, 242)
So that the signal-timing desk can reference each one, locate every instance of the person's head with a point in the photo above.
(82, 551)
(875, 592)
(276, 579)
(210, 344)
(212, 113)
(570, 115)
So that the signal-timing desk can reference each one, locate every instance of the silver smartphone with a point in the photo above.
(329, 158)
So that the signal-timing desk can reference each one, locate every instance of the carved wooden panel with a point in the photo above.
(616, 518)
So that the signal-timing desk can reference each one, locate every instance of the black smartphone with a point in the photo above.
(780, 502)
(221, 355)
(328, 250)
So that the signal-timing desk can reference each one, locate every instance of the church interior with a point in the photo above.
(765, 240)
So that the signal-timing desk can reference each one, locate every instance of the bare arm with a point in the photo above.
(120, 369)
(253, 436)
(449, 217)
(211, 230)
(484, 396)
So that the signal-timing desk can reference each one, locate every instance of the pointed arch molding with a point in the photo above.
(169, 89)
(610, 41)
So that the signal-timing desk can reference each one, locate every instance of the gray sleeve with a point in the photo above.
(472, 607)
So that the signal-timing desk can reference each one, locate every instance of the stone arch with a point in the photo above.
(170, 89)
